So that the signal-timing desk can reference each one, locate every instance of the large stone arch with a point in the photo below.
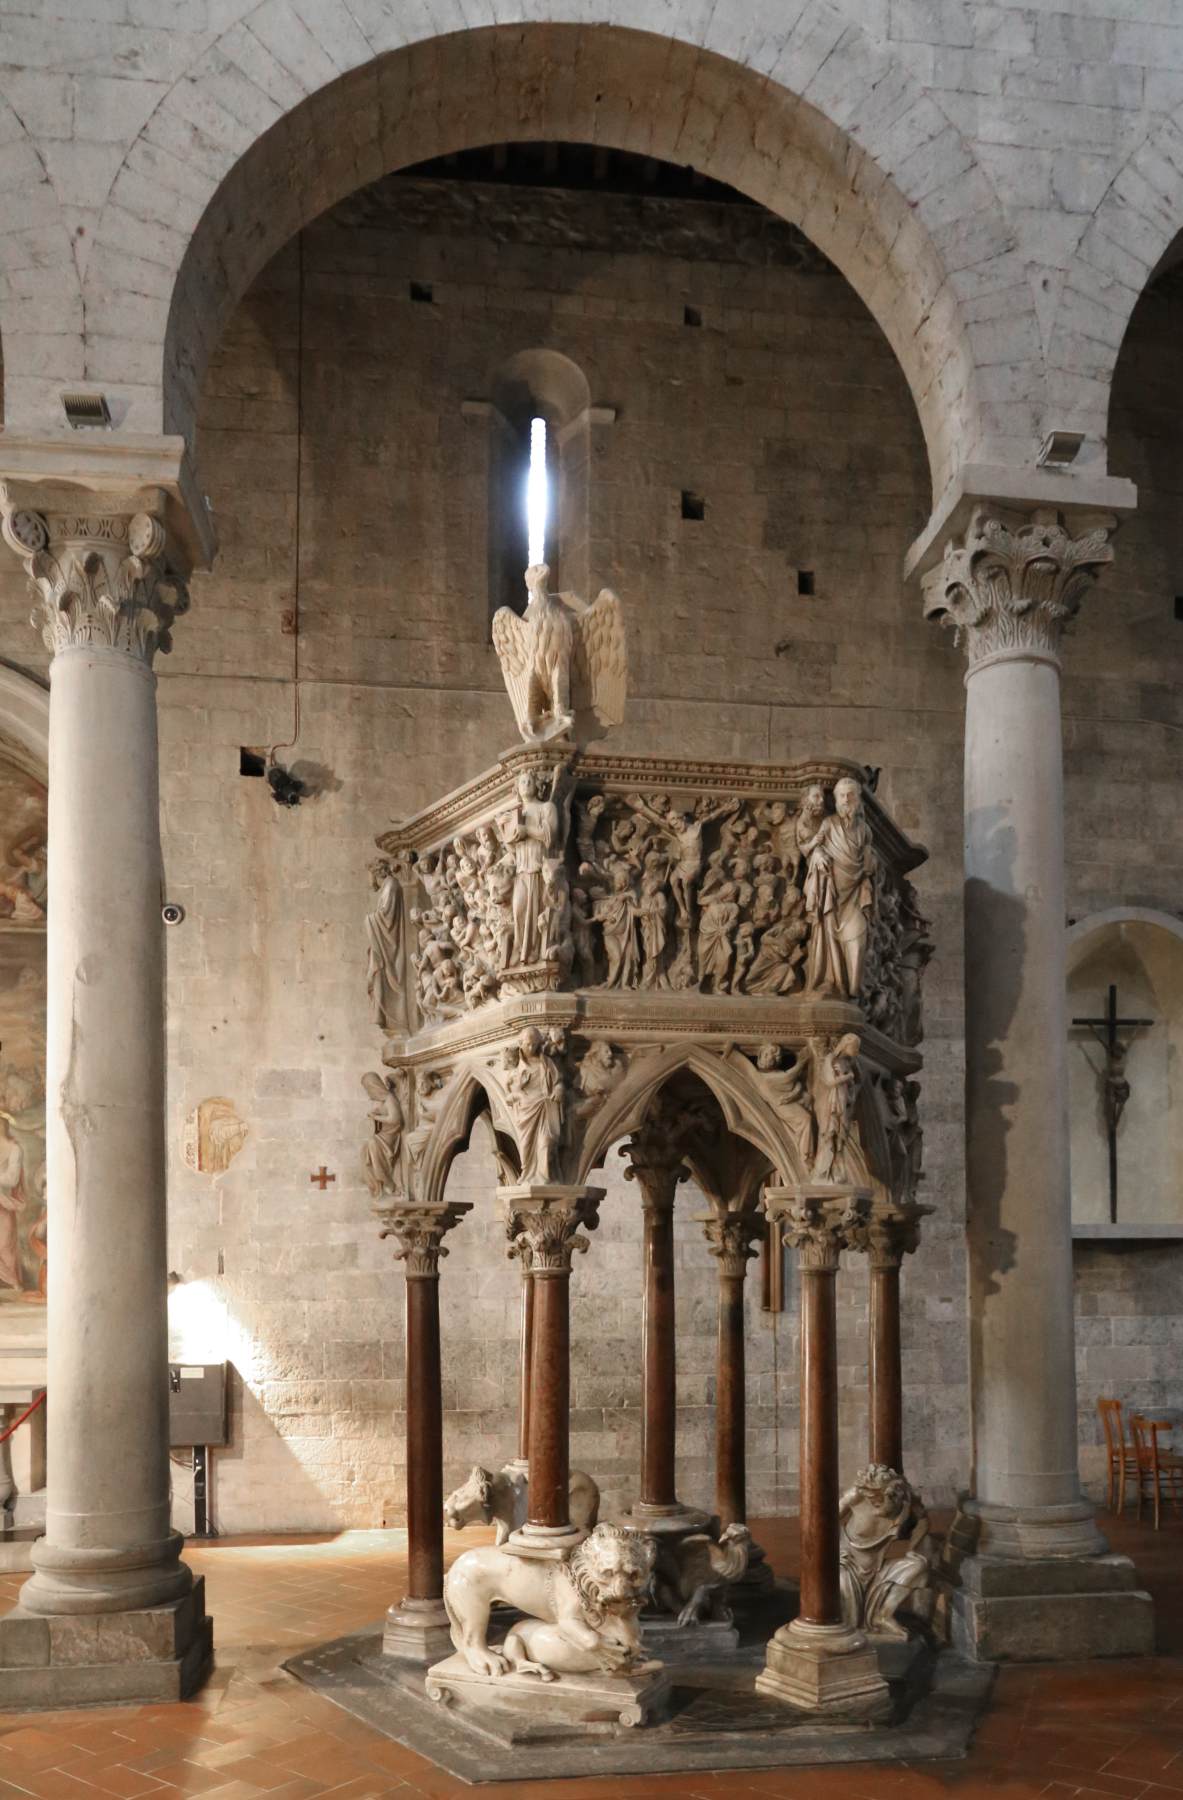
(291, 110)
(1132, 235)
(41, 321)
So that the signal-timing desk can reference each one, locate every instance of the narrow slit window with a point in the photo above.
(537, 493)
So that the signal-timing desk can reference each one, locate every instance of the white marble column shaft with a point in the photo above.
(1009, 589)
(106, 600)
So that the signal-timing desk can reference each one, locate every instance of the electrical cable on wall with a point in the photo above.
(287, 789)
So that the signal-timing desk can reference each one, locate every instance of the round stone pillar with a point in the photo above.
(108, 1544)
(417, 1628)
(818, 1663)
(546, 1219)
(1009, 588)
(656, 1164)
(99, 568)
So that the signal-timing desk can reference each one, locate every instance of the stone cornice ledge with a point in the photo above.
(109, 463)
(1019, 489)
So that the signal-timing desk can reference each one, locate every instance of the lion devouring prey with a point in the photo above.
(581, 1614)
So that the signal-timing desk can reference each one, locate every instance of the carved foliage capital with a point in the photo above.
(733, 1237)
(819, 1229)
(97, 578)
(891, 1233)
(545, 1225)
(1015, 584)
(420, 1231)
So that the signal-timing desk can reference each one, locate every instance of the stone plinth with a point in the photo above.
(417, 1631)
(826, 1670)
(702, 1641)
(154, 1654)
(1045, 1609)
(586, 1702)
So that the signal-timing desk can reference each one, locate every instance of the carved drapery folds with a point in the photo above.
(558, 875)
(1015, 583)
(419, 1232)
(98, 577)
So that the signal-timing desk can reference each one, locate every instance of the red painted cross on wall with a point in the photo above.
(322, 1178)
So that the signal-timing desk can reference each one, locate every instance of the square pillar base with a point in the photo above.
(1046, 1609)
(827, 1670)
(417, 1631)
(74, 1659)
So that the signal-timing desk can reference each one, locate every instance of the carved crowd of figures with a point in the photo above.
(644, 891)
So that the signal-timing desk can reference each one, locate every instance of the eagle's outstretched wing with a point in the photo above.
(599, 674)
(511, 640)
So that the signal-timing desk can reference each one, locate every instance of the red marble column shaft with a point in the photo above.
(550, 1397)
(820, 1591)
(659, 1395)
(885, 1377)
(730, 1402)
(425, 1478)
(525, 1375)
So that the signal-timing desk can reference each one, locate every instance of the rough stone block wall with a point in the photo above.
(1123, 750)
(786, 411)
(346, 478)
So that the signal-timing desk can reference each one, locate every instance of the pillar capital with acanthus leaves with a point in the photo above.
(819, 1226)
(108, 533)
(1013, 583)
(546, 1223)
(419, 1230)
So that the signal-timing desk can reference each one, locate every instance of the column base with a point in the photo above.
(551, 1542)
(154, 1654)
(828, 1670)
(674, 1520)
(70, 1581)
(417, 1631)
(1038, 1586)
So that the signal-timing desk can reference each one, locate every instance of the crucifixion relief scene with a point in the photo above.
(591, 900)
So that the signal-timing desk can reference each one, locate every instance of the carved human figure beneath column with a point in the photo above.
(887, 1551)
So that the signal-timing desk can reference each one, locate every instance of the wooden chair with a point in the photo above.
(1123, 1460)
(1155, 1462)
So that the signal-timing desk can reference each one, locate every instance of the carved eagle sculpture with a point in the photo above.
(564, 663)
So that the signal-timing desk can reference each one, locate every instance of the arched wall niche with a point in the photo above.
(625, 90)
(1140, 952)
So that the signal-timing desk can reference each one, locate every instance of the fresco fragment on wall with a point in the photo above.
(22, 1034)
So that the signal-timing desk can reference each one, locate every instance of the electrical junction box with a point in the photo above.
(196, 1404)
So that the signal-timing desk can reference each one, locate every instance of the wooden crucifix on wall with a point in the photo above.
(1115, 1087)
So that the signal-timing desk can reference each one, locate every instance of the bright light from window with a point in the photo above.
(537, 495)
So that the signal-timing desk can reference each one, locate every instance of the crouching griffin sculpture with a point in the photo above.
(581, 1614)
(694, 1573)
(564, 662)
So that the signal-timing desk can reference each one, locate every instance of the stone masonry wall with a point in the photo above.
(332, 420)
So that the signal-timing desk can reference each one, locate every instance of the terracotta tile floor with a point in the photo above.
(1086, 1731)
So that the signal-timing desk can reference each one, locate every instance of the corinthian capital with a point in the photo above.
(732, 1237)
(420, 1231)
(545, 1224)
(819, 1227)
(99, 576)
(1015, 581)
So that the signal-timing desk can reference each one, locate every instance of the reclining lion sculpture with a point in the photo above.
(589, 1603)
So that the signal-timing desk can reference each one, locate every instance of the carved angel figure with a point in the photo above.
(563, 663)
(381, 1156)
